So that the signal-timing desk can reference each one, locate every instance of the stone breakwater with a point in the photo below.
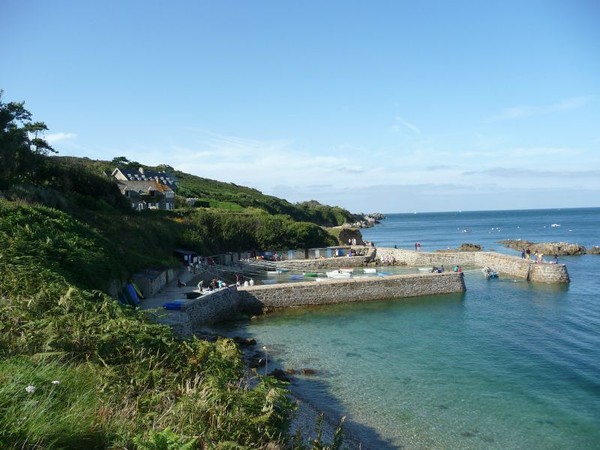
(223, 304)
(504, 264)
(257, 299)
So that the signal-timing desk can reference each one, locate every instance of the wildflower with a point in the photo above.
(56, 382)
(30, 389)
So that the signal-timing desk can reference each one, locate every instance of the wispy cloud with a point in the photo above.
(521, 111)
(401, 121)
(59, 137)
(507, 172)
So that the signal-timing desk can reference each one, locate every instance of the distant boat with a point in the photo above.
(554, 225)
(369, 270)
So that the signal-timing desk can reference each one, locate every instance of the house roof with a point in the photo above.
(142, 174)
(142, 186)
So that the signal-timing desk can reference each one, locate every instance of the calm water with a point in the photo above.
(508, 364)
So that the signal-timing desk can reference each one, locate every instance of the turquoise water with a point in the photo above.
(508, 364)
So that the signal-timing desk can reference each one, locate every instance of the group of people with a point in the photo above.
(537, 257)
(239, 281)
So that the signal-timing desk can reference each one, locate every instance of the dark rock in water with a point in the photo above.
(595, 250)
(463, 248)
(469, 248)
(244, 342)
(280, 375)
(256, 360)
(309, 371)
(547, 248)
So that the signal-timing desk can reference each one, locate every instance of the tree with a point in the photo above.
(22, 146)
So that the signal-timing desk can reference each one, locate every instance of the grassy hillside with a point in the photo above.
(79, 370)
(217, 195)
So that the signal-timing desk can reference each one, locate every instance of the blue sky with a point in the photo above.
(387, 106)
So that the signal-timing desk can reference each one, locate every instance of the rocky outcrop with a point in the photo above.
(352, 235)
(463, 248)
(595, 250)
(547, 248)
(469, 248)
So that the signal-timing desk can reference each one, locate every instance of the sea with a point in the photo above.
(509, 364)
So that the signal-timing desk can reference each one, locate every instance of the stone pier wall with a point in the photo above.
(213, 307)
(254, 299)
(510, 265)
(324, 263)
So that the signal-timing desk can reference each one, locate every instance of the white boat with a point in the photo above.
(338, 274)
(488, 272)
(347, 269)
(369, 270)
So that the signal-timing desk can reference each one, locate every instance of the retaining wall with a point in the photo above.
(507, 264)
(255, 299)
(213, 307)
(324, 263)
(151, 282)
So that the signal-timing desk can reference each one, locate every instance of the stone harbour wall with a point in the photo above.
(213, 306)
(324, 263)
(503, 264)
(254, 299)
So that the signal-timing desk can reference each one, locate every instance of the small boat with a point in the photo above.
(488, 272)
(296, 277)
(311, 274)
(338, 274)
(347, 269)
(370, 270)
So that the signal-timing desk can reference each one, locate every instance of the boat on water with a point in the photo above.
(488, 272)
(338, 274)
(370, 270)
(277, 271)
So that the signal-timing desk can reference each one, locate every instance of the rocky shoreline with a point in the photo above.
(308, 421)
(550, 248)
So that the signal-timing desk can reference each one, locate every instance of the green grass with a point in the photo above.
(46, 404)
(104, 375)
